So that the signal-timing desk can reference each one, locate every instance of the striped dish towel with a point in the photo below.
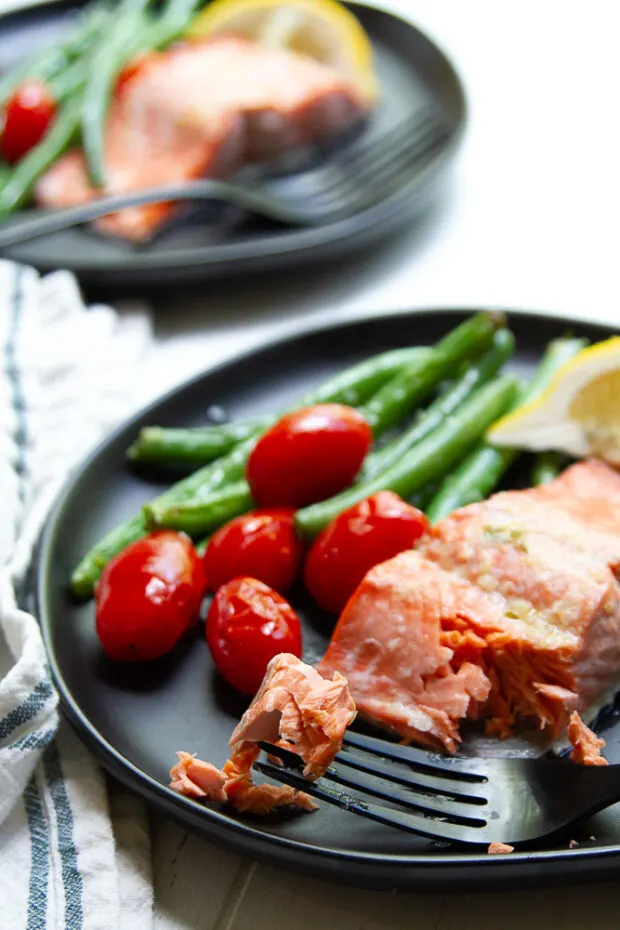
(74, 850)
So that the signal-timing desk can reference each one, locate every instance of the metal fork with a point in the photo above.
(356, 180)
(475, 801)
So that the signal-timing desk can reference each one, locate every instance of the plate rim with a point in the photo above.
(302, 242)
(214, 825)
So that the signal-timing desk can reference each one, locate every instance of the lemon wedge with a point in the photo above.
(321, 29)
(579, 413)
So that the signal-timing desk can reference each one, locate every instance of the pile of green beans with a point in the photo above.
(481, 472)
(81, 73)
(438, 459)
(355, 386)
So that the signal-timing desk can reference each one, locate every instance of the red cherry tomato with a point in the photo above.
(308, 455)
(247, 625)
(28, 116)
(261, 544)
(371, 532)
(148, 596)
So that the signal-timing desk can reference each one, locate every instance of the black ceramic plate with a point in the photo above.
(136, 719)
(412, 71)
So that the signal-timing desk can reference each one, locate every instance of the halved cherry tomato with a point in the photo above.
(261, 544)
(247, 625)
(371, 532)
(308, 455)
(28, 116)
(148, 596)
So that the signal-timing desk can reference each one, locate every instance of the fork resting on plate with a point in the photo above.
(362, 177)
(460, 800)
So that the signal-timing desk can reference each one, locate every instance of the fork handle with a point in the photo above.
(233, 194)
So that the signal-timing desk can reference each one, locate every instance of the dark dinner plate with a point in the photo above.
(136, 718)
(412, 72)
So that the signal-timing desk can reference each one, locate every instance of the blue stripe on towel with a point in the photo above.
(14, 378)
(37, 740)
(71, 875)
(35, 702)
(39, 857)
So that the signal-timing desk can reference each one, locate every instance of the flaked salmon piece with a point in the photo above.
(194, 778)
(586, 744)
(203, 110)
(197, 779)
(296, 709)
(299, 710)
(557, 647)
(498, 849)
(406, 645)
(247, 797)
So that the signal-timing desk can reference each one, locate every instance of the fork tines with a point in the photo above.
(434, 800)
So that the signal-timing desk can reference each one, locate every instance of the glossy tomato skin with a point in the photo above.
(374, 530)
(261, 544)
(28, 116)
(247, 625)
(308, 455)
(148, 596)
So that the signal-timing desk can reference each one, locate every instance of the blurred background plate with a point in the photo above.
(412, 72)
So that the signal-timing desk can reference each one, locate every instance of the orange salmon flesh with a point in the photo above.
(509, 610)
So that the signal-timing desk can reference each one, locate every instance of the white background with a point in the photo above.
(531, 216)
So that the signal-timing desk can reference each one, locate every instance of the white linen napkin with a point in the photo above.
(74, 851)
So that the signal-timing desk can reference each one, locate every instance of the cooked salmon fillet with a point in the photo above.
(586, 744)
(580, 507)
(203, 110)
(543, 557)
(509, 610)
(406, 644)
(296, 709)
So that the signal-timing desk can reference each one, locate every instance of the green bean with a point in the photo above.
(474, 375)
(403, 392)
(170, 25)
(52, 62)
(187, 447)
(480, 473)
(108, 60)
(431, 458)
(558, 352)
(357, 384)
(201, 546)
(229, 469)
(198, 517)
(23, 178)
(546, 467)
(64, 85)
(133, 35)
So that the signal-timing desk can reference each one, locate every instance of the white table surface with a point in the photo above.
(530, 221)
